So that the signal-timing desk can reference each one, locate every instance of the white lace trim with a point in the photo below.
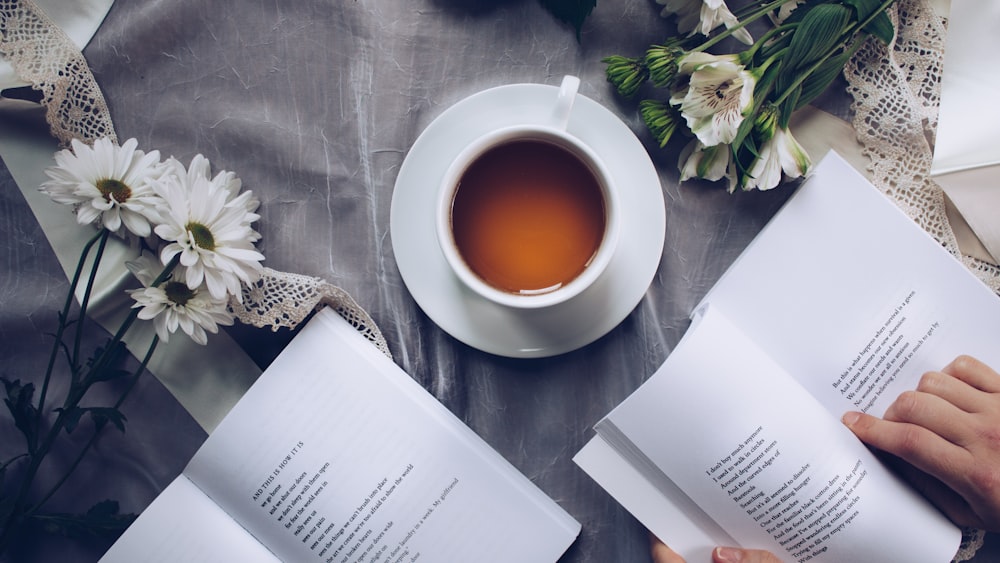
(42, 54)
(896, 90)
(282, 299)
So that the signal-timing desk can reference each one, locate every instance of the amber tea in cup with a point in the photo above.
(528, 216)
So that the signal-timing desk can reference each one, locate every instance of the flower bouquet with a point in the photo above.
(195, 249)
(736, 107)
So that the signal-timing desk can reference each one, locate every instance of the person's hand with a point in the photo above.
(948, 430)
(663, 554)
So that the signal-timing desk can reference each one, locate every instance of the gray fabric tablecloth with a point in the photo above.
(314, 105)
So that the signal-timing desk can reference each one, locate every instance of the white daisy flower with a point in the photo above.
(716, 98)
(708, 163)
(173, 304)
(779, 154)
(206, 222)
(703, 16)
(108, 183)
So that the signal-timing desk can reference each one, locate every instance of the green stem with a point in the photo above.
(750, 53)
(97, 431)
(17, 516)
(78, 388)
(85, 302)
(59, 332)
(101, 361)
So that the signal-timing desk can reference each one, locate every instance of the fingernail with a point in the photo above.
(728, 554)
(850, 418)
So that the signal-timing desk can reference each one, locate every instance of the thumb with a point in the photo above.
(737, 555)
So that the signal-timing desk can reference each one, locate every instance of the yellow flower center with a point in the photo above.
(178, 293)
(202, 236)
(114, 190)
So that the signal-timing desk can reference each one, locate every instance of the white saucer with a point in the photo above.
(526, 333)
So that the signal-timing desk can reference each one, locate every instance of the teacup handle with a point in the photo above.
(564, 101)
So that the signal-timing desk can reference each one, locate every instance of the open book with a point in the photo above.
(336, 455)
(840, 303)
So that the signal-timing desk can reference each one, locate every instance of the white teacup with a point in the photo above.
(528, 215)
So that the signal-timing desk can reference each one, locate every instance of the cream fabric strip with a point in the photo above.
(820, 132)
(896, 92)
(967, 145)
(206, 380)
(976, 195)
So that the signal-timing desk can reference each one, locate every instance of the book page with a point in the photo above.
(854, 299)
(659, 504)
(182, 524)
(762, 457)
(336, 455)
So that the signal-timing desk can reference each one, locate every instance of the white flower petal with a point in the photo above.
(79, 170)
(765, 173)
(718, 94)
(795, 161)
(216, 205)
(709, 163)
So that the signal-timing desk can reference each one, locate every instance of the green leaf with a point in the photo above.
(73, 415)
(19, 403)
(744, 157)
(743, 133)
(788, 107)
(881, 28)
(572, 12)
(863, 8)
(819, 32)
(802, 9)
(100, 416)
(102, 520)
(103, 415)
(116, 354)
(821, 79)
(109, 374)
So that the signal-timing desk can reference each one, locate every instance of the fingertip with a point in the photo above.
(727, 555)
(960, 363)
(662, 553)
(850, 418)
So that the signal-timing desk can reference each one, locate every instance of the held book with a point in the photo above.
(840, 303)
(336, 455)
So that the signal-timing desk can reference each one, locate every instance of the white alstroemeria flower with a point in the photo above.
(206, 221)
(786, 9)
(708, 163)
(780, 153)
(703, 16)
(108, 183)
(718, 94)
(173, 304)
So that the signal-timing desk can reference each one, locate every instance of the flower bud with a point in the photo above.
(660, 118)
(627, 74)
(661, 60)
(766, 122)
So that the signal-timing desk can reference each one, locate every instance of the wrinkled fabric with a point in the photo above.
(314, 105)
